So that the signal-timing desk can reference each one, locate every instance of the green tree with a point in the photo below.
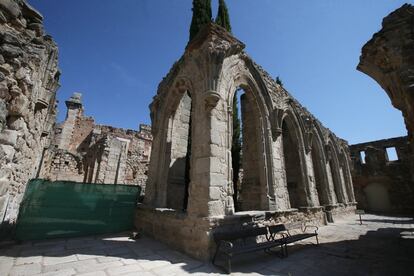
(223, 18)
(235, 148)
(201, 16)
(279, 81)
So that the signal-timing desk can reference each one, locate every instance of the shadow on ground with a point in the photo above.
(380, 251)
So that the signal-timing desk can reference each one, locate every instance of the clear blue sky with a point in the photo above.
(116, 53)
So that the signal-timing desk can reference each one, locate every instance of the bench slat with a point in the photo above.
(298, 237)
(255, 247)
(240, 234)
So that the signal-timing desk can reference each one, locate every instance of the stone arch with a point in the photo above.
(294, 161)
(319, 166)
(172, 131)
(334, 165)
(344, 162)
(178, 141)
(257, 190)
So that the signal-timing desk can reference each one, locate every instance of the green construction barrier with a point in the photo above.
(70, 209)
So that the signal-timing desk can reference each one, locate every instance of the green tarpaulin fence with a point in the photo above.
(69, 209)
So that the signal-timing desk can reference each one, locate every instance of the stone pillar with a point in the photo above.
(209, 175)
(313, 200)
(73, 113)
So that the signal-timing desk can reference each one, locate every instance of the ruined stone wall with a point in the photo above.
(62, 165)
(82, 130)
(72, 134)
(275, 125)
(85, 152)
(389, 59)
(382, 185)
(29, 78)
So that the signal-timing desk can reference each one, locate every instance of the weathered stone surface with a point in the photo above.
(85, 152)
(381, 184)
(31, 13)
(8, 151)
(292, 165)
(27, 70)
(10, 51)
(388, 58)
(10, 7)
(8, 137)
(3, 114)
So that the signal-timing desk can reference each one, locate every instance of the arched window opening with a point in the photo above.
(318, 170)
(347, 177)
(336, 177)
(179, 144)
(293, 170)
(247, 160)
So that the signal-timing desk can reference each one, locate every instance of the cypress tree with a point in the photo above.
(201, 16)
(223, 18)
(235, 149)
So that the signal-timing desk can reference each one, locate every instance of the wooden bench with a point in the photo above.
(293, 232)
(243, 241)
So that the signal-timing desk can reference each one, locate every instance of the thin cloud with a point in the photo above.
(125, 76)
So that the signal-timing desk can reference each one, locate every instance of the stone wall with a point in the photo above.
(381, 184)
(389, 59)
(279, 137)
(29, 78)
(73, 134)
(86, 152)
(62, 165)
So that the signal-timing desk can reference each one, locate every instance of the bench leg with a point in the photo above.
(229, 264)
(317, 240)
(215, 256)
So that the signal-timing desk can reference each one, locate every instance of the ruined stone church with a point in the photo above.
(293, 166)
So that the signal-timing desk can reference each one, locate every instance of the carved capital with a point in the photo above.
(211, 98)
(276, 122)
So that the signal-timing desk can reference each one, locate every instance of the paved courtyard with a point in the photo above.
(383, 245)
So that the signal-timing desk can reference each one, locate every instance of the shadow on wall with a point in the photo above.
(378, 197)
(176, 186)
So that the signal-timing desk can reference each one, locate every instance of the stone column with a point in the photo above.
(280, 185)
(209, 173)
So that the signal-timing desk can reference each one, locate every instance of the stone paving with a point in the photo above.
(382, 245)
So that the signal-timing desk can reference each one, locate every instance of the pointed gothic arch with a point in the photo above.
(336, 172)
(294, 161)
(257, 192)
(320, 173)
(344, 162)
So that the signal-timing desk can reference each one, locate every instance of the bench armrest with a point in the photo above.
(311, 226)
(227, 245)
